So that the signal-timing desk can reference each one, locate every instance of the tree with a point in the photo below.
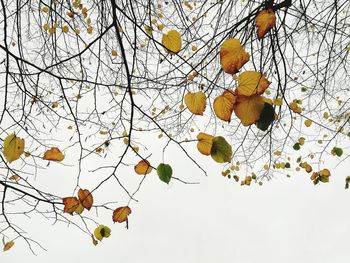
(261, 86)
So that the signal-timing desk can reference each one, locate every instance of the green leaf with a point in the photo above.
(164, 172)
(324, 179)
(296, 146)
(221, 150)
(337, 151)
(287, 165)
(267, 116)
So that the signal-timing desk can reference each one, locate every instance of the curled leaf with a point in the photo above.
(172, 42)
(224, 105)
(205, 142)
(143, 167)
(54, 154)
(232, 56)
(196, 102)
(265, 20)
(252, 83)
(121, 214)
(13, 147)
(85, 198)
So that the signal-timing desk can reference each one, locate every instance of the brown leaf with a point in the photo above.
(54, 154)
(85, 198)
(70, 204)
(121, 214)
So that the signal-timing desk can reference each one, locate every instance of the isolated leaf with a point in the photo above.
(121, 214)
(196, 102)
(85, 198)
(232, 56)
(224, 105)
(205, 142)
(252, 83)
(164, 172)
(102, 231)
(70, 204)
(308, 123)
(172, 42)
(267, 116)
(248, 109)
(337, 151)
(8, 245)
(143, 167)
(54, 154)
(296, 146)
(13, 147)
(265, 20)
(221, 150)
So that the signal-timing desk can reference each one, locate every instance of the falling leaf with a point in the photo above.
(224, 105)
(172, 42)
(196, 102)
(85, 198)
(8, 245)
(121, 214)
(13, 147)
(143, 167)
(232, 56)
(102, 231)
(252, 83)
(54, 154)
(221, 150)
(267, 116)
(265, 20)
(70, 204)
(248, 109)
(205, 142)
(164, 172)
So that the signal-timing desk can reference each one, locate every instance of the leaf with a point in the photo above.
(337, 151)
(205, 142)
(70, 204)
(8, 245)
(54, 154)
(143, 167)
(252, 83)
(308, 123)
(224, 105)
(249, 109)
(79, 209)
(296, 146)
(267, 116)
(85, 198)
(232, 56)
(265, 20)
(221, 150)
(13, 147)
(172, 42)
(196, 102)
(102, 231)
(121, 214)
(164, 172)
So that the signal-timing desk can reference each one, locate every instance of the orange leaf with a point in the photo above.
(172, 42)
(205, 141)
(248, 109)
(8, 245)
(70, 204)
(85, 198)
(224, 104)
(265, 20)
(121, 214)
(54, 154)
(143, 167)
(252, 83)
(232, 56)
(196, 102)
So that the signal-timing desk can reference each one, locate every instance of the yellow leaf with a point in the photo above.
(143, 167)
(15, 177)
(196, 102)
(70, 204)
(65, 29)
(265, 20)
(54, 154)
(148, 30)
(308, 123)
(79, 209)
(121, 214)
(205, 141)
(248, 109)
(8, 245)
(102, 231)
(160, 27)
(252, 83)
(45, 9)
(85, 198)
(224, 104)
(232, 56)
(172, 42)
(325, 172)
(13, 147)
